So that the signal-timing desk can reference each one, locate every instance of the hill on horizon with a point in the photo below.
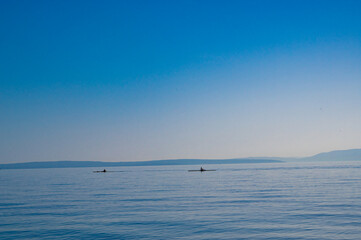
(72, 164)
(337, 155)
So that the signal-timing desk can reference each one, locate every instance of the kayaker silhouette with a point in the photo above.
(202, 169)
(104, 170)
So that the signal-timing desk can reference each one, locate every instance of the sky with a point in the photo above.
(146, 80)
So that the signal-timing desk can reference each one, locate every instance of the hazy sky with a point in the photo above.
(141, 80)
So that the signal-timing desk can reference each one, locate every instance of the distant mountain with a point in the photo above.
(73, 164)
(339, 155)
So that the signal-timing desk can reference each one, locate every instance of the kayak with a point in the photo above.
(201, 170)
(105, 171)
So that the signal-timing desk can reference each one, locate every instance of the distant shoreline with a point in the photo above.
(175, 162)
(338, 155)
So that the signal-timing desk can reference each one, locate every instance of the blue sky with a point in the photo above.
(141, 80)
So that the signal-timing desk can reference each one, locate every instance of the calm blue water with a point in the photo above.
(244, 201)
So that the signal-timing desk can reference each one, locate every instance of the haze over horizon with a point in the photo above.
(137, 80)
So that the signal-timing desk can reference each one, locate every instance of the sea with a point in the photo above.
(243, 201)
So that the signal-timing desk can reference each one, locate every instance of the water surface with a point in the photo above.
(243, 201)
